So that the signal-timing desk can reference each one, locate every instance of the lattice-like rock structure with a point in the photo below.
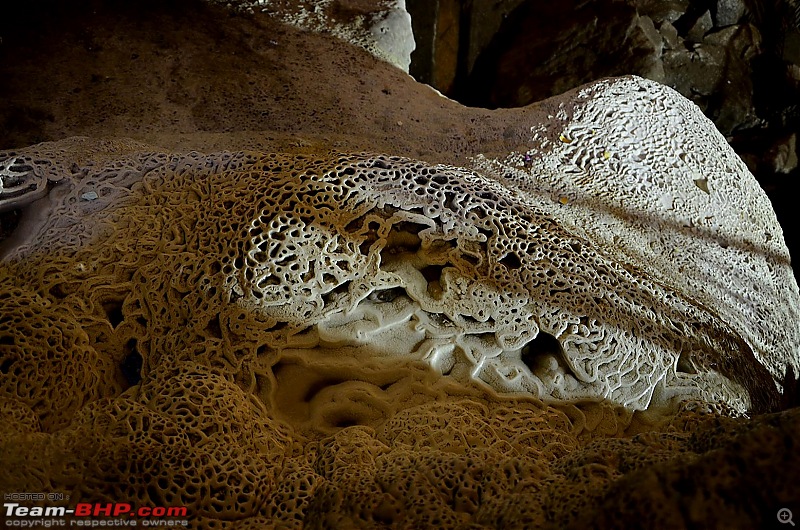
(586, 275)
(634, 167)
(193, 319)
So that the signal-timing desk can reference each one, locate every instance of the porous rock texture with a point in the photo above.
(738, 60)
(590, 322)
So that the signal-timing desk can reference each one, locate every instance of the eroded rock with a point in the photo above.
(372, 256)
(565, 332)
(383, 27)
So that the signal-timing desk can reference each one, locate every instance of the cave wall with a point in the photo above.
(164, 342)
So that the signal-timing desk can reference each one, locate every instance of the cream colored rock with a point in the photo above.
(636, 168)
(382, 27)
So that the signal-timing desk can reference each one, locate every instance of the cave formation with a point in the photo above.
(251, 268)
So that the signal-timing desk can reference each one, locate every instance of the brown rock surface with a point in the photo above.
(194, 76)
(231, 433)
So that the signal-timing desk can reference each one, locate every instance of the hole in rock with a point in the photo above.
(511, 261)
(19, 166)
(354, 225)
(471, 259)
(409, 228)
(401, 238)
(113, 311)
(154, 495)
(433, 275)
(277, 327)
(469, 319)
(685, 364)
(343, 420)
(364, 247)
(386, 386)
(5, 366)
(268, 280)
(131, 366)
(8, 222)
(338, 291)
(387, 295)
(368, 230)
(544, 346)
(441, 247)
(702, 184)
(57, 291)
(214, 328)
(791, 384)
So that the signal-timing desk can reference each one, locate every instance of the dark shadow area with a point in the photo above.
(8, 222)
(537, 353)
(546, 48)
(131, 366)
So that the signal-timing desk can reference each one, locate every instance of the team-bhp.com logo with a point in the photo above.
(118, 514)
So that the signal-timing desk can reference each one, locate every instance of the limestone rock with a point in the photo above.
(391, 29)
(302, 300)
(663, 11)
(734, 59)
(728, 12)
(513, 275)
(702, 25)
(383, 27)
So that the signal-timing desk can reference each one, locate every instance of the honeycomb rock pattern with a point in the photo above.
(674, 202)
(48, 361)
(368, 341)
(239, 256)
(514, 464)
